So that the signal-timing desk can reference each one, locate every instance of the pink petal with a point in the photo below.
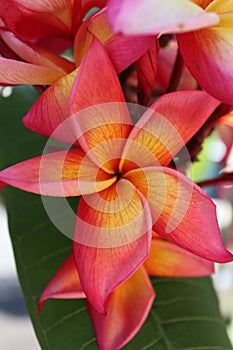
(162, 130)
(60, 174)
(95, 85)
(125, 49)
(26, 73)
(30, 19)
(181, 212)
(36, 55)
(126, 310)
(112, 239)
(103, 128)
(65, 284)
(169, 260)
(205, 56)
(152, 16)
(166, 61)
(54, 45)
(94, 26)
(146, 68)
(52, 109)
(122, 49)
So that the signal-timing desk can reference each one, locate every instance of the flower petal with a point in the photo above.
(123, 50)
(104, 121)
(112, 239)
(162, 130)
(95, 85)
(36, 55)
(26, 73)
(205, 56)
(126, 310)
(152, 17)
(51, 109)
(146, 68)
(60, 174)
(102, 131)
(181, 212)
(30, 19)
(227, 119)
(169, 260)
(65, 284)
(95, 25)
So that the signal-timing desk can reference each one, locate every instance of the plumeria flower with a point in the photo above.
(27, 60)
(122, 319)
(28, 63)
(31, 20)
(121, 172)
(204, 35)
(32, 36)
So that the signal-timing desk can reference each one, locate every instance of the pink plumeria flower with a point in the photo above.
(204, 34)
(33, 33)
(121, 171)
(26, 40)
(31, 20)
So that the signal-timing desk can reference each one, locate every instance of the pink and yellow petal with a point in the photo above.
(65, 284)
(35, 19)
(36, 55)
(102, 131)
(123, 50)
(152, 17)
(57, 174)
(162, 130)
(112, 239)
(48, 114)
(105, 121)
(95, 85)
(169, 260)
(126, 310)
(181, 212)
(205, 56)
(26, 73)
(95, 25)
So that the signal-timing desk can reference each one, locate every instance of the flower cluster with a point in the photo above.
(139, 215)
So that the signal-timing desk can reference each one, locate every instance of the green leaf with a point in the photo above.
(185, 315)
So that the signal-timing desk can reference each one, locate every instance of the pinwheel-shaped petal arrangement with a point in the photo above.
(121, 171)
